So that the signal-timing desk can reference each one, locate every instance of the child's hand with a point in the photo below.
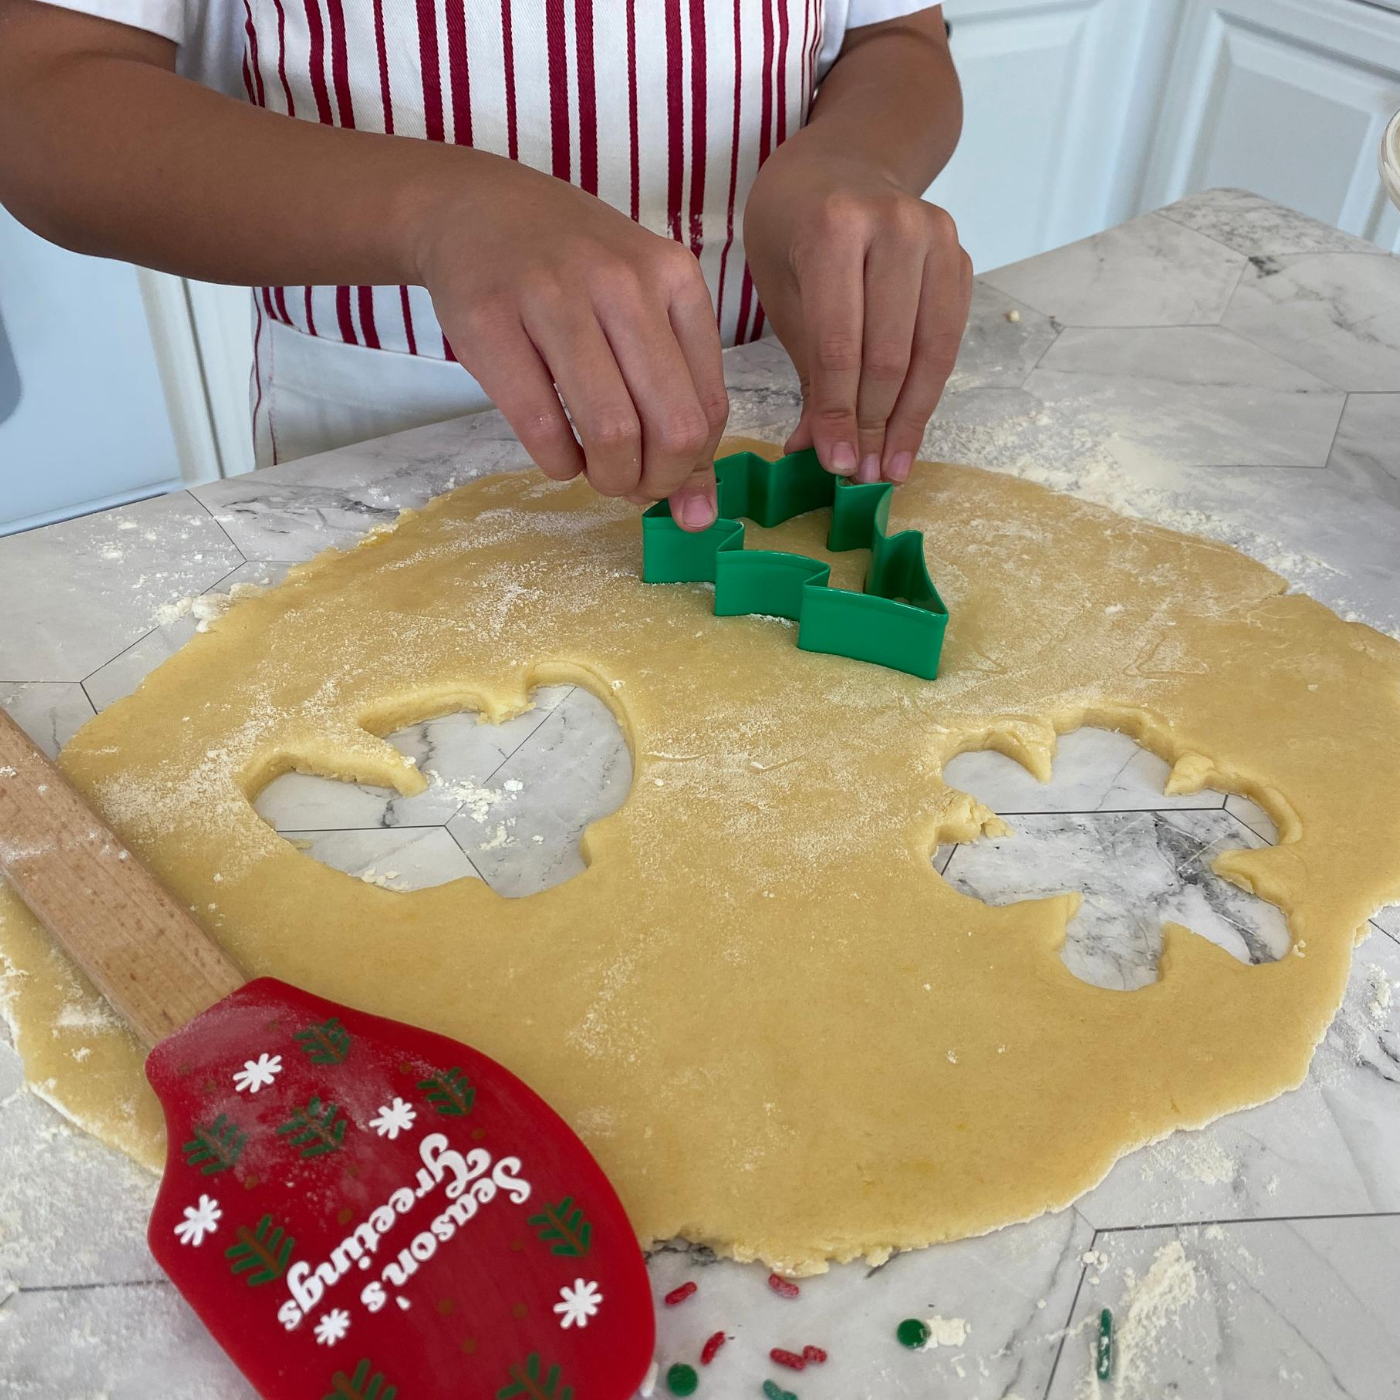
(538, 284)
(868, 289)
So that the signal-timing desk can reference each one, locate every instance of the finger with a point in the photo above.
(832, 309)
(697, 333)
(593, 389)
(518, 382)
(943, 305)
(894, 274)
(694, 505)
(673, 426)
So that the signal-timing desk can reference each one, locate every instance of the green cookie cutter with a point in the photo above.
(898, 621)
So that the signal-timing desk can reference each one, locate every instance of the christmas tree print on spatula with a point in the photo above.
(356, 1209)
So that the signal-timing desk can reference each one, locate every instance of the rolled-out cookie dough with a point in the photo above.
(747, 1002)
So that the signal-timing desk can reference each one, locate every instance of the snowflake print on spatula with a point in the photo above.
(358, 1208)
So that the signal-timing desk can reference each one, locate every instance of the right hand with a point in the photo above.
(553, 300)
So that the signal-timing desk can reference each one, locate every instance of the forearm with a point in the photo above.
(116, 155)
(891, 101)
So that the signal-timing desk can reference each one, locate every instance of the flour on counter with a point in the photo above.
(476, 801)
(945, 1332)
(1073, 448)
(1381, 990)
(1143, 1324)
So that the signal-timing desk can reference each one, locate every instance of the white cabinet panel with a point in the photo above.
(87, 422)
(1058, 101)
(1286, 99)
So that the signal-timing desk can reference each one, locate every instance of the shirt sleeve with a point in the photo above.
(860, 12)
(167, 18)
(853, 13)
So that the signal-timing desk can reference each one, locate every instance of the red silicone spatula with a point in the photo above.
(357, 1210)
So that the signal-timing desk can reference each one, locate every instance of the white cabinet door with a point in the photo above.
(83, 416)
(1059, 97)
(1287, 98)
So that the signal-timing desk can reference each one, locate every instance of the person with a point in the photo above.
(564, 207)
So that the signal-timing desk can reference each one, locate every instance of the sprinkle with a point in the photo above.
(783, 1287)
(712, 1348)
(1103, 1358)
(913, 1333)
(814, 1356)
(790, 1359)
(682, 1380)
(775, 1392)
(679, 1295)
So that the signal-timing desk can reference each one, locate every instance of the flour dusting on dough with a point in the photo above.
(772, 857)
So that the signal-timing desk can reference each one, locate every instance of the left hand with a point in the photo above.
(868, 289)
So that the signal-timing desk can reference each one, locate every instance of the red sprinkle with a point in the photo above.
(815, 1355)
(790, 1359)
(712, 1348)
(782, 1286)
(679, 1295)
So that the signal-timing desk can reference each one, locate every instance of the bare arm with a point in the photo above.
(865, 282)
(537, 284)
(108, 151)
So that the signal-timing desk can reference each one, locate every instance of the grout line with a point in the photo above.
(1112, 811)
(1057, 326)
(1249, 1220)
(1239, 282)
(348, 830)
(1384, 932)
(152, 631)
(546, 720)
(1336, 432)
(1236, 817)
(452, 836)
(1069, 1319)
(1329, 386)
(218, 525)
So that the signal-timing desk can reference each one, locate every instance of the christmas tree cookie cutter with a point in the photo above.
(898, 621)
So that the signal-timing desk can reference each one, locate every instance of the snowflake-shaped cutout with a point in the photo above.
(257, 1074)
(200, 1221)
(393, 1119)
(332, 1327)
(578, 1304)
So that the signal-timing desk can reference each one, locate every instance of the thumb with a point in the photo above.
(693, 503)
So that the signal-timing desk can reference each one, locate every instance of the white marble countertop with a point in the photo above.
(1222, 366)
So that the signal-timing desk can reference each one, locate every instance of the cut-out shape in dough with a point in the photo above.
(507, 803)
(1133, 872)
(1104, 830)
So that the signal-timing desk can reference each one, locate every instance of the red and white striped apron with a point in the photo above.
(663, 108)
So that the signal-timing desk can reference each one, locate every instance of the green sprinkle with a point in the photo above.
(682, 1380)
(1103, 1356)
(913, 1333)
(775, 1392)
